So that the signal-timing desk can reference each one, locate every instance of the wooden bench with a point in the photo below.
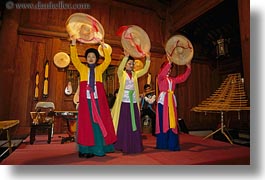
(6, 126)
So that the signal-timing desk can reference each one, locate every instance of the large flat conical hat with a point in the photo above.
(84, 28)
(61, 60)
(179, 49)
(135, 41)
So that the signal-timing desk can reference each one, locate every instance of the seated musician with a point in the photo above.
(147, 103)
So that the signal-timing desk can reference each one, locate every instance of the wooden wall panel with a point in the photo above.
(30, 58)
(20, 93)
(8, 42)
(111, 15)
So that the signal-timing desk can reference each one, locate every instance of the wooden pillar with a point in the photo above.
(244, 21)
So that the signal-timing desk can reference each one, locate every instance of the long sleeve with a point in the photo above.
(81, 68)
(163, 73)
(183, 77)
(74, 58)
(145, 69)
(122, 65)
(104, 65)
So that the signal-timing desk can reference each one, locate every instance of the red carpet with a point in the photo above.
(194, 151)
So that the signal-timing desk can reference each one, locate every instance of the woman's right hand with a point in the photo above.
(126, 53)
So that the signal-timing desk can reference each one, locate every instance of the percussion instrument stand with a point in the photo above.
(68, 116)
(220, 129)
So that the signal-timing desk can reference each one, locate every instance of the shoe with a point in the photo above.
(85, 155)
(89, 155)
(81, 155)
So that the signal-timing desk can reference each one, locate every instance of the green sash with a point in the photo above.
(132, 110)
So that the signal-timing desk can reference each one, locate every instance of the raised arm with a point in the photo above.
(164, 71)
(104, 65)
(122, 64)
(183, 77)
(74, 56)
(146, 66)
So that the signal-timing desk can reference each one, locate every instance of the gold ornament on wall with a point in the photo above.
(46, 82)
(36, 90)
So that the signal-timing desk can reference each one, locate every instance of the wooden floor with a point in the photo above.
(194, 151)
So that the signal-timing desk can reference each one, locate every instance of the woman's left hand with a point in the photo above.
(101, 42)
(147, 55)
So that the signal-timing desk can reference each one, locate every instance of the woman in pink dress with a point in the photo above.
(166, 111)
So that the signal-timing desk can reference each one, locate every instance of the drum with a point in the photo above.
(61, 60)
(146, 124)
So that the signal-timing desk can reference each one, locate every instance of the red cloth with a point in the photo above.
(129, 74)
(85, 134)
(121, 30)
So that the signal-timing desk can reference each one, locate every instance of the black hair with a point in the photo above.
(164, 64)
(116, 91)
(93, 50)
(130, 58)
(147, 86)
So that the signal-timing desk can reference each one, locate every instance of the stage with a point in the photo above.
(194, 151)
